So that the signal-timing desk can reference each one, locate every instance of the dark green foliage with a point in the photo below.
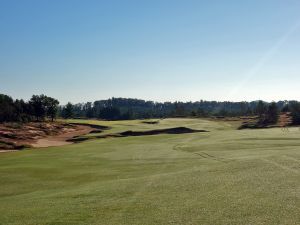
(43, 106)
(193, 114)
(52, 107)
(179, 109)
(268, 113)
(202, 112)
(39, 107)
(128, 115)
(67, 111)
(110, 113)
(88, 107)
(261, 108)
(295, 112)
(285, 108)
(272, 113)
(7, 109)
(23, 111)
(123, 109)
(38, 104)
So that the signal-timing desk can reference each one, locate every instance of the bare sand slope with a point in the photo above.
(61, 139)
(37, 135)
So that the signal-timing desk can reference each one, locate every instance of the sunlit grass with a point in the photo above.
(225, 176)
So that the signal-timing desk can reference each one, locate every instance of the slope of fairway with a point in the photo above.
(225, 176)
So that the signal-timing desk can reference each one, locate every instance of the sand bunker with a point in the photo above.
(61, 139)
(18, 136)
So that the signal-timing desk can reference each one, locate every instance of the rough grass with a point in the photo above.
(226, 176)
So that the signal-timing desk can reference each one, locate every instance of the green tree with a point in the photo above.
(68, 111)
(7, 109)
(179, 109)
(272, 113)
(52, 107)
(260, 108)
(295, 112)
(110, 113)
(193, 113)
(89, 112)
(22, 111)
(202, 113)
(38, 104)
(285, 108)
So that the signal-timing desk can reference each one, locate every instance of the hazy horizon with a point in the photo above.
(160, 50)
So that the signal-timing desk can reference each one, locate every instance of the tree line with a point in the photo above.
(38, 108)
(41, 107)
(126, 108)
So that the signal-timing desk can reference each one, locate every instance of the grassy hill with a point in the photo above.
(225, 176)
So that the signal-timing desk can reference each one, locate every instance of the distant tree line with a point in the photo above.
(125, 108)
(38, 108)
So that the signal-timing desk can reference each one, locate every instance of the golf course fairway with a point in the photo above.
(223, 176)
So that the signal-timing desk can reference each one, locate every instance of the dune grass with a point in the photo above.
(226, 176)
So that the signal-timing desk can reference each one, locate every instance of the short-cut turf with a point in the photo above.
(225, 176)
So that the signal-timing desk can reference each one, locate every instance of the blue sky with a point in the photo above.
(162, 50)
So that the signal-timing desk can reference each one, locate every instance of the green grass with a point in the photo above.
(226, 176)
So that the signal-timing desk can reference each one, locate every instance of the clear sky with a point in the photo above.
(161, 50)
